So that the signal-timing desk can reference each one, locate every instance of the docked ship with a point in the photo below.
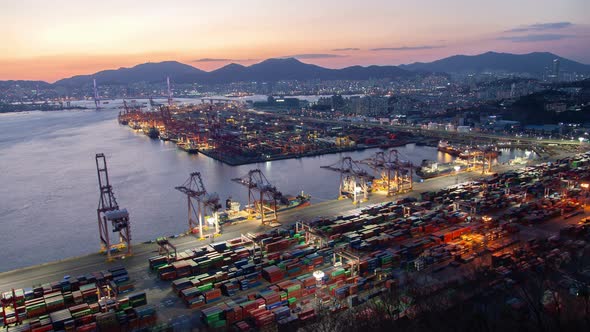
(470, 153)
(430, 169)
(288, 202)
(300, 200)
(153, 133)
(122, 120)
(238, 94)
(164, 136)
(188, 147)
(443, 146)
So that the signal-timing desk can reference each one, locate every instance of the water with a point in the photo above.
(49, 190)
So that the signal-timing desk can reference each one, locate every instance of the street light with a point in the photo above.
(357, 191)
(319, 276)
(585, 186)
(527, 153)
(457, 168)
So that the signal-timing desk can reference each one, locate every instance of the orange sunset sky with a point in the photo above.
(49, 40)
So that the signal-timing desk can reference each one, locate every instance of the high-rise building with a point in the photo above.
(556, 70)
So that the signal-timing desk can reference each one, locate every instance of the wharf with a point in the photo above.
(237, 161)
(159, 292)
(52, 271)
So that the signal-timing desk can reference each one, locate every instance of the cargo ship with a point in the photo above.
(122, 120)
(443, 146)
(188, 147)
(430, 169)
(287, 202)
(153, 133)
(472, 153)
(300, 200)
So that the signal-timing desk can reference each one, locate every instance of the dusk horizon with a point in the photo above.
(51, 42)
(209, 69)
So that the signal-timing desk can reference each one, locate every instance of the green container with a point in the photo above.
(218, 324)
(205, 287)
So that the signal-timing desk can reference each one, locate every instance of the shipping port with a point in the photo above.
(326, 257)
(228, 131)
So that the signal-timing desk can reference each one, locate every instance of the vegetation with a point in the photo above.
(7, 108)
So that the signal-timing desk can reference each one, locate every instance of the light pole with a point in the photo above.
(319, 277)
(357, 191)
(585, 186)
(457, 168)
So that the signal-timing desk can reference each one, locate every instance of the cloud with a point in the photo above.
(534, 38)
(222, 60)
(314, 56)
(346, 49)
(541, 27)
(407, 48)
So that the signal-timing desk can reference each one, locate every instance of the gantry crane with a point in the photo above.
(170, 100)
(483, 156)
(96, 97)
(392, 175)
(109, 213)
(10, 314)
(262, 196)
(353, 179)
(195, 191)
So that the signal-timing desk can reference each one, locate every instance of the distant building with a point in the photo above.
(556, 107)
(463, 129)
(556, 70)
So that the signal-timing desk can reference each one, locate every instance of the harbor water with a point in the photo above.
(49, 190)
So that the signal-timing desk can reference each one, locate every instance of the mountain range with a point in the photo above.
(532, 63)
(271, 70)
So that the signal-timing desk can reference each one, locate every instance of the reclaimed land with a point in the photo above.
(238, 160)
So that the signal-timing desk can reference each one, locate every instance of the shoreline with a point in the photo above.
(142, 247)
(233, 162)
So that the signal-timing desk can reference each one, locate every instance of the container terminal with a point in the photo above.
(282, 273)
(227, 131)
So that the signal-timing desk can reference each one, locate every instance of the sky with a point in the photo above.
(49, 40)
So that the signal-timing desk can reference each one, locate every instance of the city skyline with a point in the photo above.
(65, 38)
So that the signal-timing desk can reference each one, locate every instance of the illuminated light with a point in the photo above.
(319, 276)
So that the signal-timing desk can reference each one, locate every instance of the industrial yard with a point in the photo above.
(326, 257)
